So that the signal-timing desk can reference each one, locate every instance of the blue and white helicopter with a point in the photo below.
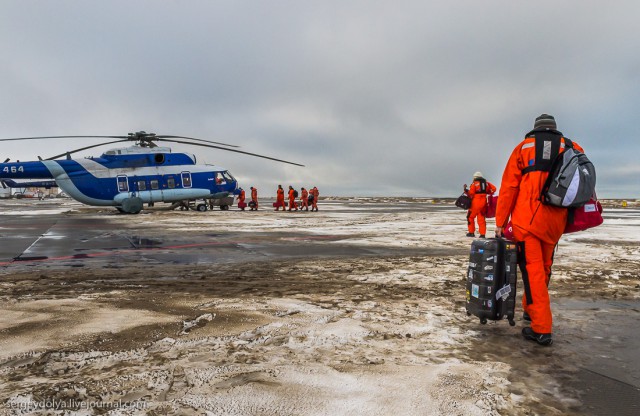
(127, 178)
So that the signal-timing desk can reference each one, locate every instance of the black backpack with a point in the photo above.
(463, 201)
(295, 193)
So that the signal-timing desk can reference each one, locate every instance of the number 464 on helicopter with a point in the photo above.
(127, 178)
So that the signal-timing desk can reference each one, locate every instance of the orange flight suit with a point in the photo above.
(280, 199)
(254, 198)
(241, 198)
(536, 227)
(292, 200)
(478, 206)
(314, 203)
(304, 202)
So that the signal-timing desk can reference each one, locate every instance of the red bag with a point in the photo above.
(508, 231)
(587, 216)
(492, 204)
(242, 205)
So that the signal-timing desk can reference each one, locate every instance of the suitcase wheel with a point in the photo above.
(484, 321)
(512, 322)
(468, 313)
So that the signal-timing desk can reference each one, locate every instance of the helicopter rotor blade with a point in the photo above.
(164, 136)
(67, 154)
(62, 137)
(237, 151)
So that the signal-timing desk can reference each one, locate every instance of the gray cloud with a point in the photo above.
(376, 98)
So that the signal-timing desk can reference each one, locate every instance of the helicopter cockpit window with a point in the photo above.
(142, 186)
(186, 179)
(154, 184)
(220, 179)
(227, 176)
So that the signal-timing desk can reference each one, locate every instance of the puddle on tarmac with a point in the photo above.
(143, 242)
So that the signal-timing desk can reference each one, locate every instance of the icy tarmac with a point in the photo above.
(356, 309)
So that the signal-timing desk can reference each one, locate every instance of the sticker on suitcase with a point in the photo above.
(504, 292)
(474, 290)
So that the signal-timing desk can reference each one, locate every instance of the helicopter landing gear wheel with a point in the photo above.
(202, 207)
(224, 207)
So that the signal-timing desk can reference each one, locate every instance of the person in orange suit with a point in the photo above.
(241, 198)
(280, 198)
(254, 199)
(478, 192)
(536, 227)
(314, 204)
(292, 198)
(304, 199)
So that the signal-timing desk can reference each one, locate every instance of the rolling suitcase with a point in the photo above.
(491, 280)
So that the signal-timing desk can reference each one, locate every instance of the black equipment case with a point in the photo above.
(491, 280)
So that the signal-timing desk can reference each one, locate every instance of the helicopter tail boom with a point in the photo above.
(25, 170)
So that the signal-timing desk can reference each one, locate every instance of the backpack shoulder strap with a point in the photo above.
(568, 143)
(547, 147)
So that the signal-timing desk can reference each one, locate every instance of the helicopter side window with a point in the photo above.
(171, 182)
(186, 179)
(123, 185)
(142, 186)
(154, 184)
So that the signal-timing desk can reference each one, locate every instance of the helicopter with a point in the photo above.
(128, 177)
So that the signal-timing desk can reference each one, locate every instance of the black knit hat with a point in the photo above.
(545, 121)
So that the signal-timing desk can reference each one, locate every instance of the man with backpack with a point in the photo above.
(293, 194)
(478, 192)
(537, 225)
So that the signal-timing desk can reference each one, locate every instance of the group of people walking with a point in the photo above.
(307, 198)
(253, 203)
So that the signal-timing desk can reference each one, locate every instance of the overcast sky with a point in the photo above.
(398, 98)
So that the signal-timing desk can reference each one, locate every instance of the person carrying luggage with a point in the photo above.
(241, 198)
(478, 192)
(280, 198)
(254, 199)
(537, 227)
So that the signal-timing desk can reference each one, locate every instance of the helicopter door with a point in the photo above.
(123, 184)
(186, 179)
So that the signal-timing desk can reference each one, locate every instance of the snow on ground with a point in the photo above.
(373, 335)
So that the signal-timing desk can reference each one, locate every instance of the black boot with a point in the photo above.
(526, 317)
(471, 235)
(531, 335)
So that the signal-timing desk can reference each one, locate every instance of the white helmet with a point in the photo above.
(478, 175)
